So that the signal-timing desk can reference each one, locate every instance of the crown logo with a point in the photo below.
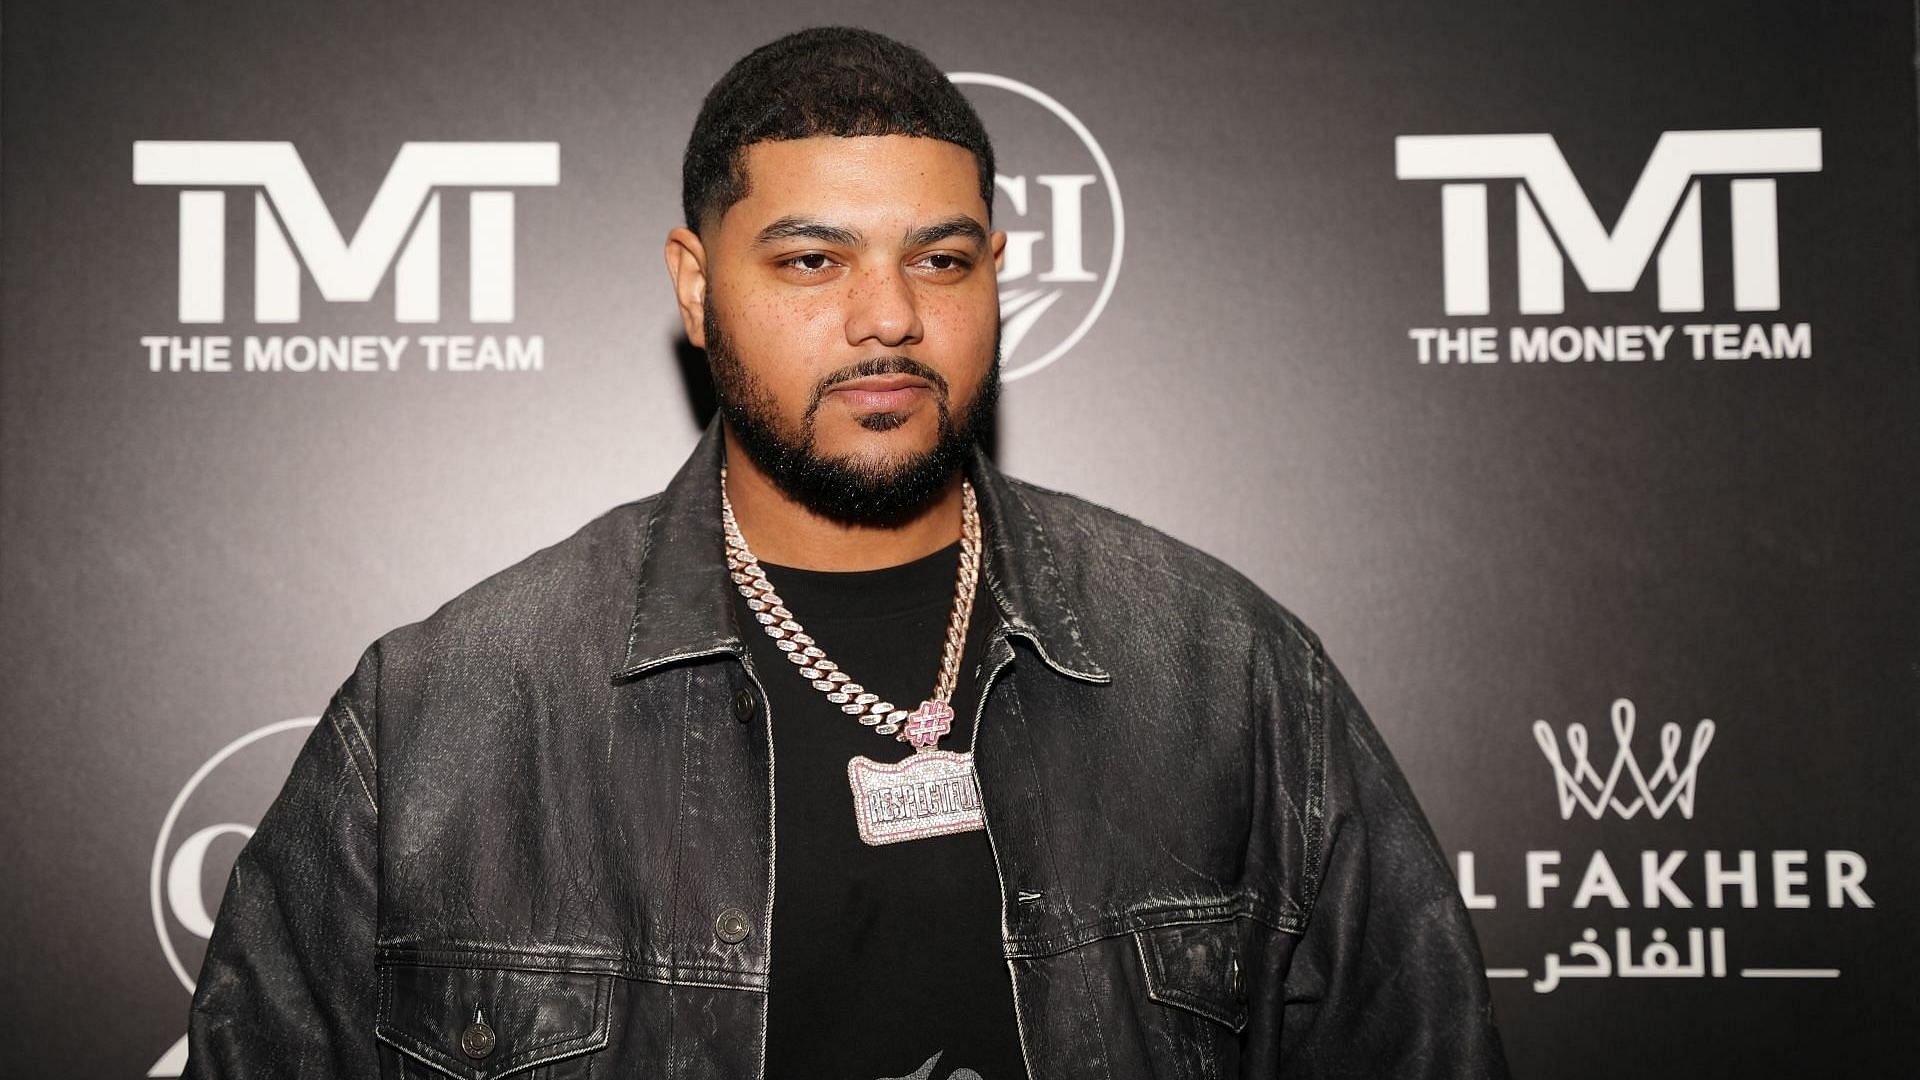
(1626, 787)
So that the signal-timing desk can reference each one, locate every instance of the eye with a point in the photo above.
(812, 262)
(945, 262)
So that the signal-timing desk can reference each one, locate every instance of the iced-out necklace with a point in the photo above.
(933, 792)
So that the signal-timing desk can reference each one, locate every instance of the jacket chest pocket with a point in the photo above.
(480, 1023)
(1196, 978)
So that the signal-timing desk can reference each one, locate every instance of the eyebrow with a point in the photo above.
(791, 228)
(959, 226)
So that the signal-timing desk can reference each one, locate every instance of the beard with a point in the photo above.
(843, 489)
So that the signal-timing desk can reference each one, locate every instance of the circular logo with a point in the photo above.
(206, 826)
(1055, 195)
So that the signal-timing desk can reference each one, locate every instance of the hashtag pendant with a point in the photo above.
(928, 723)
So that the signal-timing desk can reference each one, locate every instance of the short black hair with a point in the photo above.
(829, 80)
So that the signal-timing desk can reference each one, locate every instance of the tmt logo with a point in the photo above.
(1063, 218)
(1662, 215)
(401, 229)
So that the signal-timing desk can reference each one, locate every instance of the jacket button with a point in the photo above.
(477, 1041)
(731, 927)
(744, 705)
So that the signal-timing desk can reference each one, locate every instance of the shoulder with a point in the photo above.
(569, 601)
(1124, 573)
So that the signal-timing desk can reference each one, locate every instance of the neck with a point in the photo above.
(785, 533)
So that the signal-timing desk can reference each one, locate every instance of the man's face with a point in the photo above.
(849, 312)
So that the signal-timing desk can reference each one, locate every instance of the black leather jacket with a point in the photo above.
(521, 839)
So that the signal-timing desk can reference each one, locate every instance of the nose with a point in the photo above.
(882, 308)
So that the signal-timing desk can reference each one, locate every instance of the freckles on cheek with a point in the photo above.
(790, 334)
(964, 323)
(776, 316)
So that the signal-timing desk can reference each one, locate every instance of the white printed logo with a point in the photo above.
(401, 229)
(1698, 901)
(1066, 229)
(1579, 783)
(215, 818)
(1661, 215)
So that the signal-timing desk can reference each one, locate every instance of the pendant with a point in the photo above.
(926, 724)
(931, 793)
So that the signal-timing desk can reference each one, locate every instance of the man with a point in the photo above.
(633, 808)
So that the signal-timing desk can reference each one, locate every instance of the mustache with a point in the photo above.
(878, 365)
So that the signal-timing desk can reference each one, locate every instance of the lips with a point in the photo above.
(880, 393)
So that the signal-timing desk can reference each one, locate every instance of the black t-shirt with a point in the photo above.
(887, 959)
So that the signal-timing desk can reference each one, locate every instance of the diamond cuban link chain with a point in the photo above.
(934, 717)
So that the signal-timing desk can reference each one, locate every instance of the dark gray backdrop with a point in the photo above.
(189, 558)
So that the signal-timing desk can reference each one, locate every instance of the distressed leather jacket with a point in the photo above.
(532, 835)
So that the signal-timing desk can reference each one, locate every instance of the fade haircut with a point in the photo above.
(830, 80)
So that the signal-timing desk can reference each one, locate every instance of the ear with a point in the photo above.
(997, 242)
(687, 265)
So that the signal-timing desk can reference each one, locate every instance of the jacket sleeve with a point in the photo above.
(288, 986)
(1387, 979)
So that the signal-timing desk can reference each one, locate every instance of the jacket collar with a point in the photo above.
(683, 609)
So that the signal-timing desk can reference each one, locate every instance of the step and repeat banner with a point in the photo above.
(1557, 362)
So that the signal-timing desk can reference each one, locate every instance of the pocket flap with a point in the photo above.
(1196, 967)
(478, 1023)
